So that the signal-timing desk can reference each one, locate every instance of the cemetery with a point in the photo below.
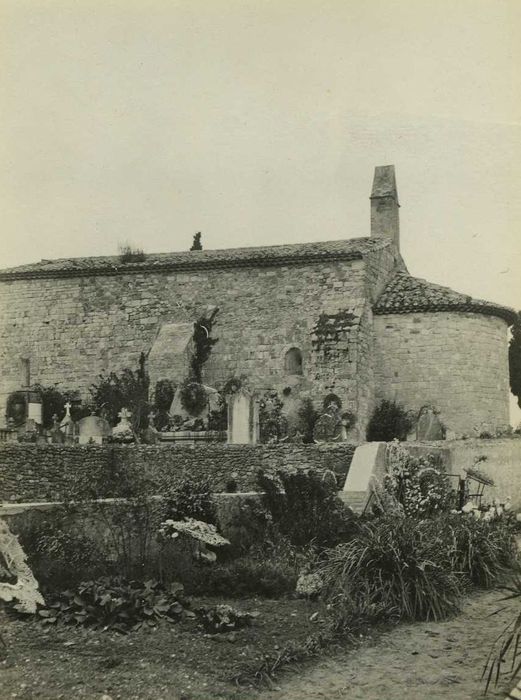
(196, 496)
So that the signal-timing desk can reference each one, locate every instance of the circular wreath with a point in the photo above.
(332, 398)
(193, 397)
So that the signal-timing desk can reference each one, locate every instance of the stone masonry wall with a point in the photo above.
(74, 328)
(458, 362)
(39, 472)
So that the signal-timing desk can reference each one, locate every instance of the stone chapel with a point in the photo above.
(338, 317)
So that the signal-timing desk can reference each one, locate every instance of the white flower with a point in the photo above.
(477, 514)
(518, 517)
(469, 507)
(488, 516)
(508, 505)
(499, 510)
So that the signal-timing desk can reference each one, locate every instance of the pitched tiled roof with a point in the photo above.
(405, 294)
(351, 249)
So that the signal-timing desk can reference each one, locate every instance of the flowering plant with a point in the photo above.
(418, 483)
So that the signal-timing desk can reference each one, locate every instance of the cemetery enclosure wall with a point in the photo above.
(73, 328)
(31, 473)
(457, 362)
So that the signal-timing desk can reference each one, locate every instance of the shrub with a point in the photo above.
(128, 389)
(116, 604)
(393, 567)
(59, 554)
(164, 394)
(273, 425)
(307, 417)
(270, 570)
(389, 421)
(191, 498)
(193, 397)
(304, 505)
(53, 403)
(223, 618)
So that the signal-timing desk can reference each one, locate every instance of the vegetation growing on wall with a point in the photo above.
(514, 359)
(203, 345)
(129, 254)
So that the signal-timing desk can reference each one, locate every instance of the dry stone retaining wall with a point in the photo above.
(40, 472)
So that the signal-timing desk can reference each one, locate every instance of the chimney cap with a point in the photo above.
(384, 183)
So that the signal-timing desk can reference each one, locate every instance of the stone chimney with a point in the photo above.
(385, 220)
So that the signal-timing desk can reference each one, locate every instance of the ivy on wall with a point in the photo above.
(203, 345)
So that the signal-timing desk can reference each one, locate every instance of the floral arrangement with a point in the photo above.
(418, 483)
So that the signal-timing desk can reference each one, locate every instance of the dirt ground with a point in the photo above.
(411, 662)
(422, 660)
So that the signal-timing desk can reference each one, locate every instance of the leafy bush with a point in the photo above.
(273, 424)
(193, 397)
(223, 618)
(53, 403)
(304, 505)
(116, 604)
(128, 389)
(307, 417)
(392, 567)
(60, 554)
(257, 573)
(389, 421)
(191, 498)
(164, 394)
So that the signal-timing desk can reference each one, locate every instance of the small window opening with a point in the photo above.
(293, 361)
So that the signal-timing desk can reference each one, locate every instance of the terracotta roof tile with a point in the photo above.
(405, 294)
(191, 260)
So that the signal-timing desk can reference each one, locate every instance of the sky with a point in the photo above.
(142, 122)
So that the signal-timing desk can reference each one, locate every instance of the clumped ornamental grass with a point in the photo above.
(484, 552)
(400, 568)
(390, 569)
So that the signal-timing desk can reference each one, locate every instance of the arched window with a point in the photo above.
(293, 361)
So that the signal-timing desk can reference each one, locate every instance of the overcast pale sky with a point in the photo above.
(260, 122)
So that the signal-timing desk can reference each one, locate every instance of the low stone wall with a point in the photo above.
(502, 464)
(39, 472)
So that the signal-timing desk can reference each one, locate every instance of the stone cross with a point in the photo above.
(125, 415)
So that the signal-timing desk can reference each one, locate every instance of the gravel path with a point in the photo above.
(431, 660)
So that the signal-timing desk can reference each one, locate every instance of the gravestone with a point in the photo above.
(243, 419)
(368, 464)
(56, 436)
(123, 431)
(93, 429)
(429, 426)
(330, 426)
